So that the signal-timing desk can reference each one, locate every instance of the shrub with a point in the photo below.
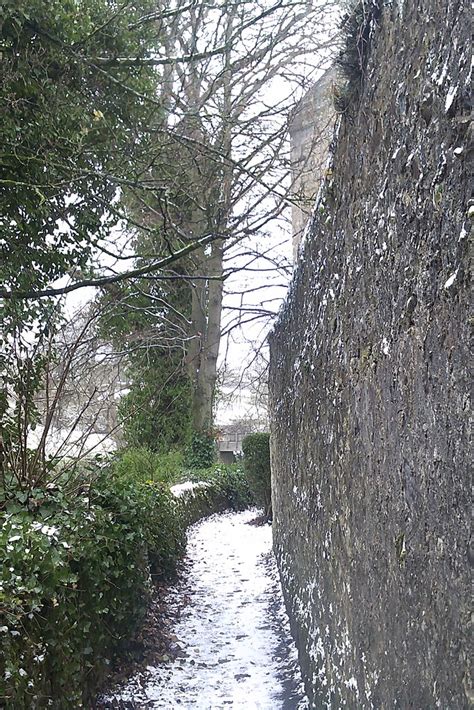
(225, 487)
(233, 483)
(201, 452)
(156, 411)
(169, 466)
(256, 448)
(76, 571)
(142, 464)
(75, 581)
(149, 508)
(357, 30)
(137, 463)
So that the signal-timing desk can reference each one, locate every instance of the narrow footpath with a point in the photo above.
(237, 651)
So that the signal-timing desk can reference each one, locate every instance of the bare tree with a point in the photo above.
(84, 379)
(57, 397)
(227, 116)
(212, 193)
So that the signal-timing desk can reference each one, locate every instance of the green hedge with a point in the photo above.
(201, 452)
(256, 449)
(225, 487)
(75, 582)
(76, 574)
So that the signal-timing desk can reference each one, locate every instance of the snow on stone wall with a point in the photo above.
(369, 386)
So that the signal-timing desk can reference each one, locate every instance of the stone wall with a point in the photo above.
(369, 386)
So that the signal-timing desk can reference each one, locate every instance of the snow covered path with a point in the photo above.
(237, 651)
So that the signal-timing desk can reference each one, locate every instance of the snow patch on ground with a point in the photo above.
(234, 633)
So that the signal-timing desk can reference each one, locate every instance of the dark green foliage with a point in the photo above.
(256, 448)
(148, 508)
(71, 133)
(156, 411)
(233, 483)
(75, 576)
(76, 569)
(147, 322)
(201, 452)
(357, 28)
(20, 377)
(226, 487)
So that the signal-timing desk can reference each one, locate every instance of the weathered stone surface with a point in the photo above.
(310, 131)
(369, 387)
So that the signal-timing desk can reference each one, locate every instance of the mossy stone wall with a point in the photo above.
(369, 381)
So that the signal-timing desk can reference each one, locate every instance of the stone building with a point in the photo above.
(311, 132)
(229, 445)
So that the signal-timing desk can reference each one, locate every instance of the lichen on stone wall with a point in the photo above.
(370, 385)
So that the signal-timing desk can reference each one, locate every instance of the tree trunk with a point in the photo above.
(206, 375)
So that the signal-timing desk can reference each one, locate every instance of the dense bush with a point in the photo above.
(156, 410)
(142, 464)
(256, 448)
(76, 570)
(75, 580)
(223, 487)
(149, 508)
(201, 452)
(232, 482)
